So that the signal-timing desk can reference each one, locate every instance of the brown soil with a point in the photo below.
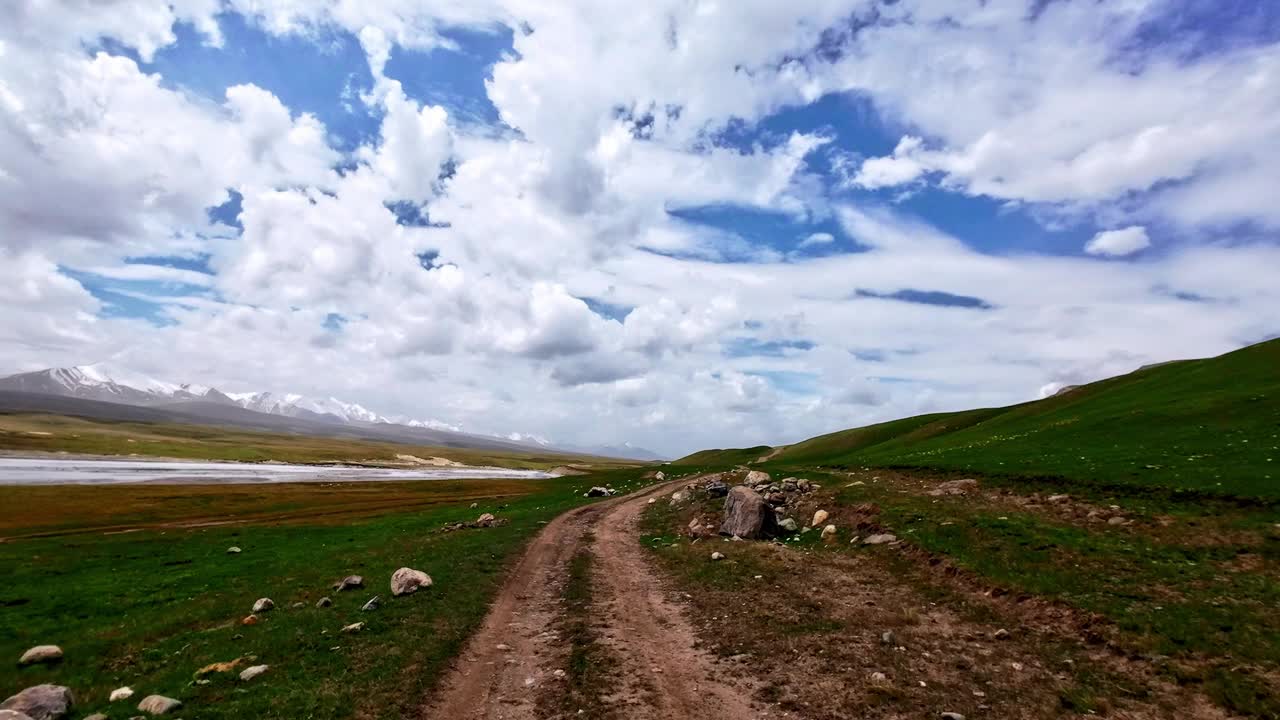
(508, 669)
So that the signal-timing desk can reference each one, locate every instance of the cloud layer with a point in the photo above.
(667, 237)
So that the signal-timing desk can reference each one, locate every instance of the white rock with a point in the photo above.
(659, 476)
(486, 520)
(828, 532)
(159, 704)
(233, 550)
(880, 539)
(41, 654)
(757, 476)
(121, 693)
(717, 556)
(819, 518)
(407, 581)
(788, 524)
(262, 605)
(250, 673)
(353, 628)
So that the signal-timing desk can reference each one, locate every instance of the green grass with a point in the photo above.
(59, 433)
(1169, 593)
(1205, 427)
(147, 609)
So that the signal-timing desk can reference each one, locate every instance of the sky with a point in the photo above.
(680, 224)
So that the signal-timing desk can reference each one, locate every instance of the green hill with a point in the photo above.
(1208, 425)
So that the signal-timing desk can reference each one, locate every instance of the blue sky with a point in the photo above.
(704, 226)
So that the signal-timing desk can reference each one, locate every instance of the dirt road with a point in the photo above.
(517, 660)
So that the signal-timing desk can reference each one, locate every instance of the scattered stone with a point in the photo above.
(757, 476)
(558, 673)
(95, 716)
(263, 605)
(1115, 520)
(716, 488)
(678, 497)
(880, 539)
(253, 672)
(350, 582)
(298, 605)
(502, 647)
(233, 550)
(954, 487)
(486, 520)
(324, 602)
(878, 677)
(653, 500)
(819, 518)
(659, 476)
(475, 505)
(121, 693)
(951, 716)
(250, 620)
(218, 667)
(695, 529)
(1017, 666)
(159, 704)
(788, 524)
(353, 628)
(747, 515)
(828, 532)
(42, 702)
(1058, 498)
(1001, 634)
(41, 654)
(407, 581)
(373, 604)
(598, 491)
(717, 556)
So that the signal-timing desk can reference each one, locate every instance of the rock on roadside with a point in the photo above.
(954, 487)
(121, 693)
(407, 581)
(350, 582)
(880, 539)
(819, 517)
(828, 532)
(263, 605)
(788, 524)
(42, 702)
(747, 515)
(159, 704)
(41, 654)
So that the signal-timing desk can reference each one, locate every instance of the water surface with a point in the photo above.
(59, 471)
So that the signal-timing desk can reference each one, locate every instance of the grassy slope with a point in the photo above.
(57, 433)
(1202, 425)
(148, 608)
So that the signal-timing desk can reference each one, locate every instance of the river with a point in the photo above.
(58, 471)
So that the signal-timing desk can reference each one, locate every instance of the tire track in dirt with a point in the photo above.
(512, 659)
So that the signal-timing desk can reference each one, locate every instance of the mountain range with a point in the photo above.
(201, 403)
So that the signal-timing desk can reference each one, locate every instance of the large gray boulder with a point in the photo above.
(747, 515)
(42, 702)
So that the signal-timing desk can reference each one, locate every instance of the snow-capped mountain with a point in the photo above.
(101, 382)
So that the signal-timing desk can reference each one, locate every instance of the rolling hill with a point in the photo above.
(1209, 425)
